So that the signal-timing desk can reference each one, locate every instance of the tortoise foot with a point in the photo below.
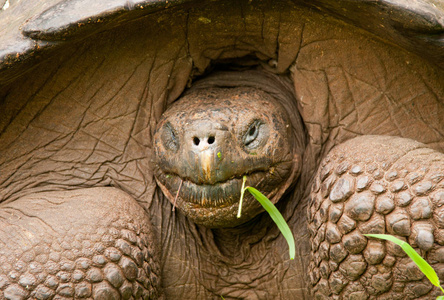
(375, 184)
(90, 243)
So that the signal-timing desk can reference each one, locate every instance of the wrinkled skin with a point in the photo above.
(82, 214)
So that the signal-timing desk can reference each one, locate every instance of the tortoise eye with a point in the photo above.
(252, 131)
(169, 138)
(252, 134)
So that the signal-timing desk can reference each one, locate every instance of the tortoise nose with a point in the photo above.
(201, 142)
(203, 135)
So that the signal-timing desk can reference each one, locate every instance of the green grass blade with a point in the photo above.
(419, 261)
(277, 218)
(241, 197)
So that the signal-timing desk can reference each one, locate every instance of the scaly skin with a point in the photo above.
(105, 250)
(375, 184)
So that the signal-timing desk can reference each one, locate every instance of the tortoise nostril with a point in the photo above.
(211, 139)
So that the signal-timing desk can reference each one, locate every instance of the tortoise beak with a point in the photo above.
(207, 162)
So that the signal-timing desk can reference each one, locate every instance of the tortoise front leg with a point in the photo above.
(91, 243)
(376, 184)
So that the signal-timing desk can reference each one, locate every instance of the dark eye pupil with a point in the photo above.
(252, 130)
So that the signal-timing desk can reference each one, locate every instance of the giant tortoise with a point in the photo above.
(127, 126)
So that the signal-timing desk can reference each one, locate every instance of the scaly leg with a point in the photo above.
(92, 243)
(376, 184)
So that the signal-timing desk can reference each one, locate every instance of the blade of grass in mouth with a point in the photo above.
(273, 212)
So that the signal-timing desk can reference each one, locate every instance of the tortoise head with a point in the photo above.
(208, 140)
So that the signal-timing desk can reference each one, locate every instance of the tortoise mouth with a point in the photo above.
(221, 194)
(216, 205)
